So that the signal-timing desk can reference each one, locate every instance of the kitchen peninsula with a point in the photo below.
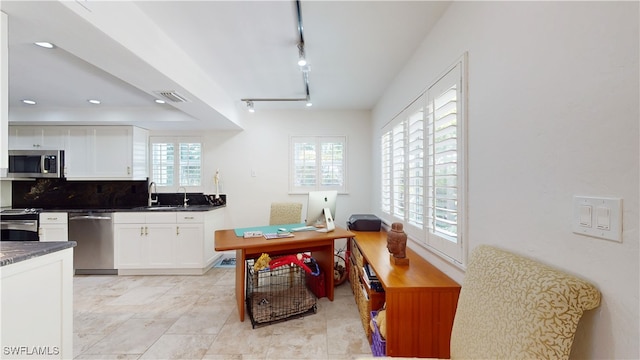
(37, 301)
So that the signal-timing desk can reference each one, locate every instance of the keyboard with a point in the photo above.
(303, 228)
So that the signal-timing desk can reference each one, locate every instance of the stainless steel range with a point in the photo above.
(19, 224)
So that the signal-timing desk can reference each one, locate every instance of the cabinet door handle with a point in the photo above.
(146, 230)
(177, 230)
(141, 230)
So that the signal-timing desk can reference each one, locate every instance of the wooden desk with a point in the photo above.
(319, 244)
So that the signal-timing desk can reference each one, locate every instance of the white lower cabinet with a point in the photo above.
(130, 245)
(37, 307)
(190, 234)
(161, 245)
(53, 226)
(166, 242)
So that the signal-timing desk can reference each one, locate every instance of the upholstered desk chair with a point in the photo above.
(285, 213)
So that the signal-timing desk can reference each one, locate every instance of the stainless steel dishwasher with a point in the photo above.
(93, 233)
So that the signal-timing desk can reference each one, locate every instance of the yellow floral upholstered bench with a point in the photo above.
(511, 307)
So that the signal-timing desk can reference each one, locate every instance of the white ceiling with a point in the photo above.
(212, 52)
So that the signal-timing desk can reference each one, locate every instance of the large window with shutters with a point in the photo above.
(318, 163)
(423, 165)
(176, 162)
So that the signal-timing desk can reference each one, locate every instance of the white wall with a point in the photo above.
(553, 113)
(263, 147)
(5, 186)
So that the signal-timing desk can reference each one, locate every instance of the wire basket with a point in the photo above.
(277, 294)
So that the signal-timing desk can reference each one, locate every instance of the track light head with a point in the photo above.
(250, 106)
(302, 61)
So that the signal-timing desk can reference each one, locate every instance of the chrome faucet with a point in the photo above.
(185, 195)
(151, 200)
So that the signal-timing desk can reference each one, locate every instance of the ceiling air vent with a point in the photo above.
(172, 96)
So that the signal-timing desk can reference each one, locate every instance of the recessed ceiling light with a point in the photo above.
(29, 102)
(160, 101)
(93, 101)
(309, 104)
(45, 44)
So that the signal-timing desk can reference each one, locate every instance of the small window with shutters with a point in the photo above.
(176, 162)
(317, 163)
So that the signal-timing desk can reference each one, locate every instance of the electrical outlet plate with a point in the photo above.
(605, 217)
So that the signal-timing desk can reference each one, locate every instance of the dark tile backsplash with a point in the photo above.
(62, 194)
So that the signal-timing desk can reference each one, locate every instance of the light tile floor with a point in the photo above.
(195, 317)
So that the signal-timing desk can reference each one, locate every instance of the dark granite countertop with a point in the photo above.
(160, 208)
(17, 251)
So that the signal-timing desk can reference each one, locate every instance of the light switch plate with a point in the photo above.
(599, 207)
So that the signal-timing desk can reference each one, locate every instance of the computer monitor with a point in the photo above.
(317, 202)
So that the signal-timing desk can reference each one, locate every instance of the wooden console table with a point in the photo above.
(420, 300)
(319, 244)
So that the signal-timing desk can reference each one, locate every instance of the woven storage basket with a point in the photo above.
(363, 308)
(353, 278)
(357, 255)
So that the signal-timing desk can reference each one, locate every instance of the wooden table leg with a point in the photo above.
(240, 269)
(324, 258)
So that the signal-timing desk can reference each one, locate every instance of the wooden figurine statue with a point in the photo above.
(397, 244)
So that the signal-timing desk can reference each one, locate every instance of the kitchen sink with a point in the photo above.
(158, 207)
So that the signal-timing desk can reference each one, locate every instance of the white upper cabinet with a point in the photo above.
(77, 163)
(36, 138)
(91, 152)
(119, 152)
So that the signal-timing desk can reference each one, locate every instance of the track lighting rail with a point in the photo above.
(304, 67)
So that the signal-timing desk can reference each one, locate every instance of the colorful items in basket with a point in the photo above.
(295, 259)
(262, 262)
(380, 320)
(378, 325)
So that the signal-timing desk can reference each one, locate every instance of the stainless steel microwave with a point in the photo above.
(36, 163)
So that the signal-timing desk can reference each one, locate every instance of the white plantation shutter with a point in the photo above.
(385, 146)
(415, 143)
(304, 163)
(398, 169)
(190, 164)
(317, 163)
(444, 103)
(403, 168)
(162, 164)
(423, 164)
